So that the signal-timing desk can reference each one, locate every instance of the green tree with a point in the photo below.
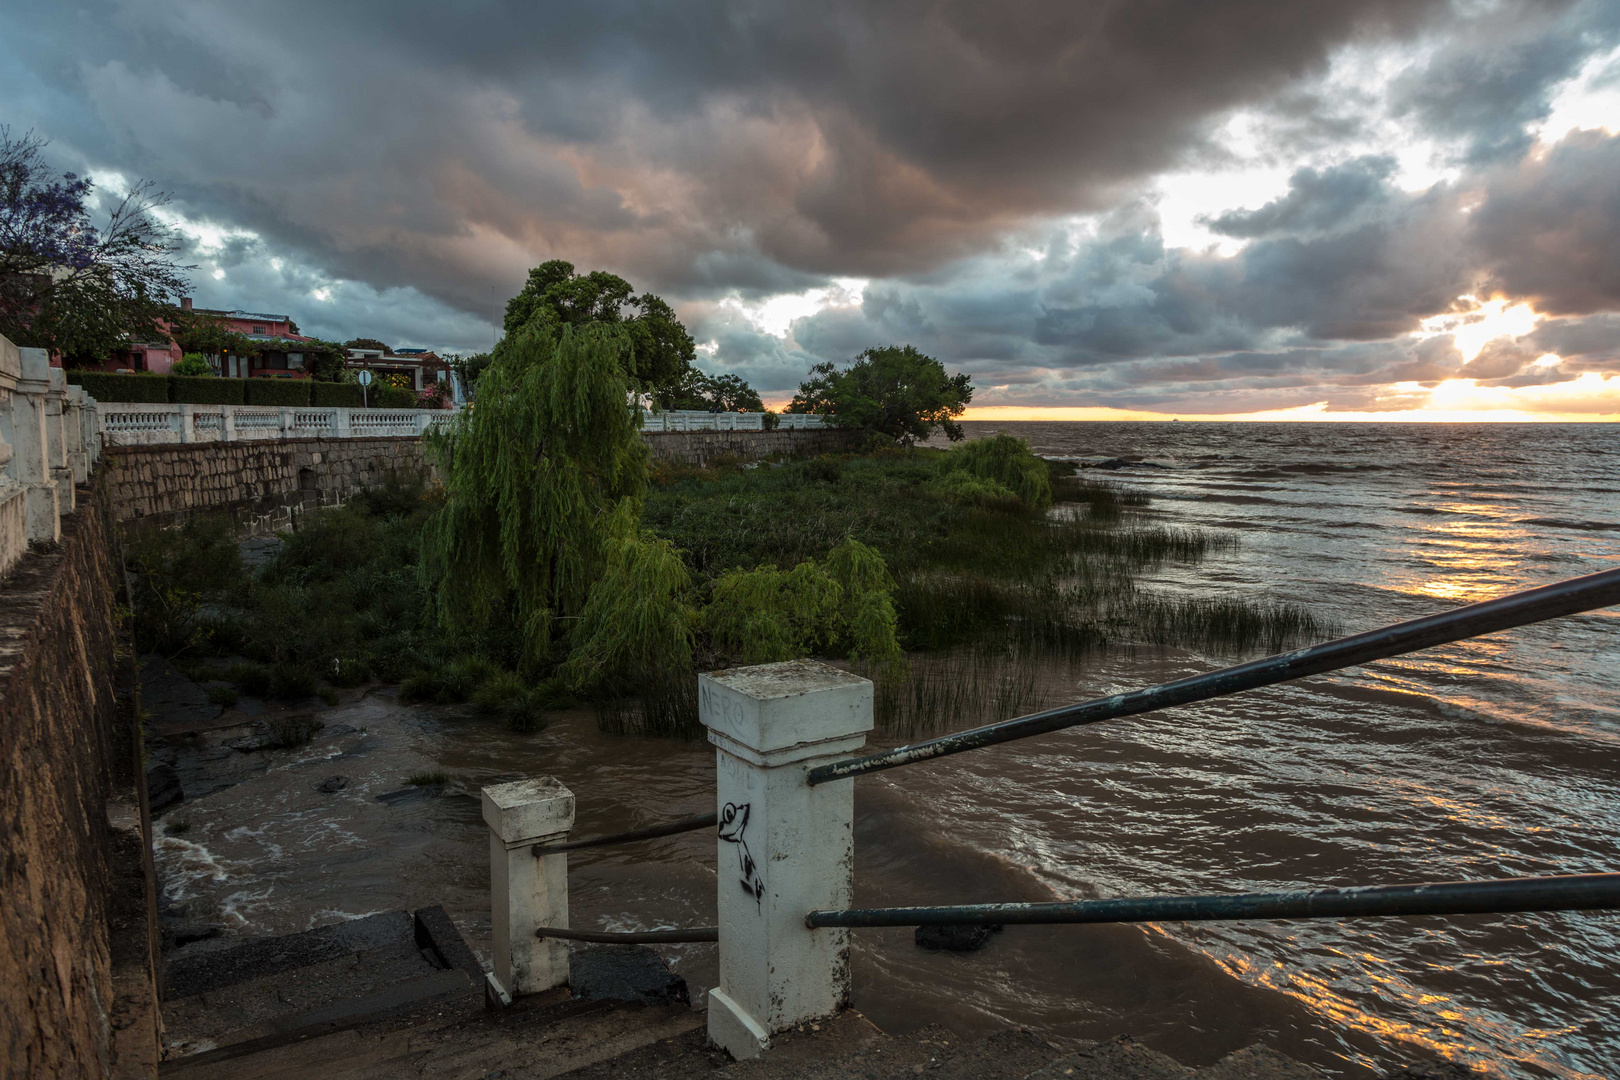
(895, 390)
(368, 343)
(66, 284)
(555, 296)
(711, 393)
(539, 479)
(468, 368)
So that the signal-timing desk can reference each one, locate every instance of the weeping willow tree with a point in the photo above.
(540, 478)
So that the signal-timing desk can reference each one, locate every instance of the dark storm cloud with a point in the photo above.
(1550, 227)
(1343, 257)
(1494, 78)
(431, 152)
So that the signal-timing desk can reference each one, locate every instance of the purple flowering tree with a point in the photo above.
(66, 284)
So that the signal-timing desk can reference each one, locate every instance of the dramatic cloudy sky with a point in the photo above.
(1180, 207)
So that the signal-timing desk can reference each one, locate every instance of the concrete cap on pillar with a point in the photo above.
(525, 809)
(774, 707)
(36, 364)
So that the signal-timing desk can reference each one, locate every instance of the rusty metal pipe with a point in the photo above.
(1578, 892)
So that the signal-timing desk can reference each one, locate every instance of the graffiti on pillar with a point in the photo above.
(733, 824)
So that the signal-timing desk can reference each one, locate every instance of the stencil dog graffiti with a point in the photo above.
(733, 823)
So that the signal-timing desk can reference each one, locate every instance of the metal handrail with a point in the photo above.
(1504, 613)
(1576, 892)
(632, 937)
(651, 832)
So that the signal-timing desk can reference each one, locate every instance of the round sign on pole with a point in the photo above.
(365, 378)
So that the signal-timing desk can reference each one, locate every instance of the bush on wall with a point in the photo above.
(105, 386)
(293, 392)
(337, 395)
(384, 396)
(206, 390)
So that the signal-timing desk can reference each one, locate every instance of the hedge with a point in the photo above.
(105, 386)
(206, 390)
(384, 396)
(330, 395)
(293, 392)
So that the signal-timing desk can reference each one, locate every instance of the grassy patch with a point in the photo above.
(428, 778)
(291, 732)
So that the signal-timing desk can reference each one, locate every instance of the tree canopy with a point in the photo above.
(661, 351)
(713, 393)
(367, 343)
(66, 284)
(538, 479)
(895, 390)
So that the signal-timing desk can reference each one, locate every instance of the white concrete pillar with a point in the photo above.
(31, 446)
(73, 429)
(228, 430)
(56, 437)
(340, 423)
(527, 892)
(286, 422)
(188, 423)
(784, 847)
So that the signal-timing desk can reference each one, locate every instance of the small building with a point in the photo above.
(413, 369)
(276, 335)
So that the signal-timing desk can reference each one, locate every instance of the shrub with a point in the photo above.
(292, 683)
(250, 678)
(222, 695)
(206, 390)
(192, 364)
(428, 778)
(636, 628)
(1009, 463)
(178, 573)
(347, 671)
(447, 684)
(104, 386)
(329, 395)
(288, 392)
(765, 615)
(435, 396)
(290, 732)
(383, 396)
(521, 704)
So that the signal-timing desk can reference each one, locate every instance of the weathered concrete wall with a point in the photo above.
(78, 987)
(262, 483)
(702, 447)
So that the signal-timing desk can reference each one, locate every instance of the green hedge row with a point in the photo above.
(338, 395)
(208, 390)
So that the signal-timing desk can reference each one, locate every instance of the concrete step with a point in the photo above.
(229, 998)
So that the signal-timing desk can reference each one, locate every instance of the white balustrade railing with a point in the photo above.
(139, 424)
(694, 420)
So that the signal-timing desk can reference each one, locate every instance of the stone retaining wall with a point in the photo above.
(702, 447)
(78, 982)
(262, 483)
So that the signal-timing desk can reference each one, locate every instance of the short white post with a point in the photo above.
(286, 423)
(188, 423)
(784, 848)
(227, 430)
(340, 423)
(526, 891)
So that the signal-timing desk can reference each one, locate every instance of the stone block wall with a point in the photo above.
(262, 483)
(702, 447)
(78, 981)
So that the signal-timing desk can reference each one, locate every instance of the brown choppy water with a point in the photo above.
(1484, 759)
